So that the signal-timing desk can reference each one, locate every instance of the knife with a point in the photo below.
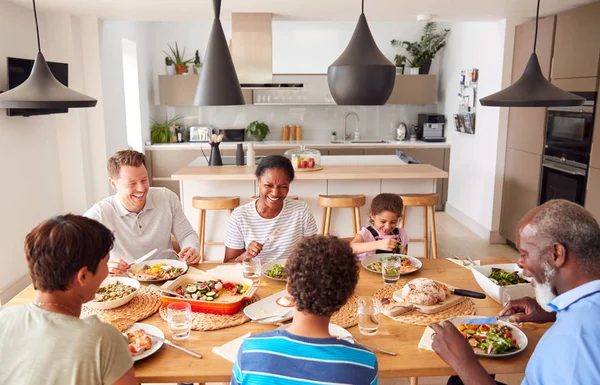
(467, 293)
(484, 321)
(142, 259)
(166, 341)
(374, 348)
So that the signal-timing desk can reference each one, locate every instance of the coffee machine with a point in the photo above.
(431, 128)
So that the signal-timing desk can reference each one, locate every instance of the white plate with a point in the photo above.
(170, 262)
(375, 258)
(335, 330)
(516, 332)
(269, 265)
(156, 343)
(268, 306)
(116, 302)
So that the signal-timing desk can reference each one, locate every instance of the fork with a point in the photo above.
(271, 236)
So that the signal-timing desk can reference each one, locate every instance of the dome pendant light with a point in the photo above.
(218, 84)
(41, 89)
(532, 89)
(362, 75)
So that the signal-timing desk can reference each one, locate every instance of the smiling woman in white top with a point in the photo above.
(251, 224)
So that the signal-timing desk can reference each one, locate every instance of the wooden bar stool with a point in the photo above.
(428, 202)
(211, 203)
(291, 197)
(329, 202)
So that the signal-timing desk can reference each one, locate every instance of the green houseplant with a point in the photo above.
(423, 51)
(160, 129)
(178, 58)
(169, 66)
(197, 62)
(258, 130)
(400, 62)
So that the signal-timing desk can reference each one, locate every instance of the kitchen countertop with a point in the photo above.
(278, 144)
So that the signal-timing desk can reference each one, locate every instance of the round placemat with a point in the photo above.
(415, 317)
(347, 316)
(145, 303)
(206, 321)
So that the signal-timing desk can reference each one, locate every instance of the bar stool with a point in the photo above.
(428, 202)
(329, 202)
(290, 197)
(211, 203)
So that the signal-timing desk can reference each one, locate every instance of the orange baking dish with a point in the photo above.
(226, 305)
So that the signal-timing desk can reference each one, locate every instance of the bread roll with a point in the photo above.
(424, 291)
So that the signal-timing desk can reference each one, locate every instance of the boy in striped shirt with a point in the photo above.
(322, 273)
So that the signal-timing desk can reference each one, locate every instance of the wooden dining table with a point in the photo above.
(171, 365)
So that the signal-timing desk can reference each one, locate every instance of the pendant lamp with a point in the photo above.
(41, 89)
(362, 75)
(532, 89)
(218, 84)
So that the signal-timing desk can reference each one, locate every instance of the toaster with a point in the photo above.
(200, 133)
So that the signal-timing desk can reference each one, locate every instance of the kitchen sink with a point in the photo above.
(338, 141)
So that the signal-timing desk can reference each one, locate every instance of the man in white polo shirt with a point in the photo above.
(142, 219)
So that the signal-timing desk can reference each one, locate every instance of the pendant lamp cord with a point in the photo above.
(363, 7)
(537, 18)
(37, 27)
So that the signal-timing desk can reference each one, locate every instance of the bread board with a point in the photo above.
(452, 300)
(316, 168)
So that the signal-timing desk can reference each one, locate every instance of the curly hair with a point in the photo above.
(322, 274)
(124, 158)
(59, 247)
(275, 162)
(387, 202)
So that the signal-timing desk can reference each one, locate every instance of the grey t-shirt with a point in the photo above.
(42, 347)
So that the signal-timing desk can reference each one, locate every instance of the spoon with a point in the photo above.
(166, 291)
(220, 138)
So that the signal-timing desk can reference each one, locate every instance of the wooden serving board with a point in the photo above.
(452, 300)
(316, 168)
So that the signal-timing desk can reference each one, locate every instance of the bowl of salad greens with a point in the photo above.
(275, 270)
(500, 339)
(503, 281)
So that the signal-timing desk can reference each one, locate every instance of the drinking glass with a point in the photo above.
(179, 317)
(252, 270)
(390, 269)
(369, 312)
(506, 298)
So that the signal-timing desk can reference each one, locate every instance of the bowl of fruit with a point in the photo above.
(304, 159)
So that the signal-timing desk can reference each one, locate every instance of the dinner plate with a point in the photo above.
(376, 258)
(170, 262)
(156, 343)
(335, 330)
(269, 266)
(268, 306)
(516, 332)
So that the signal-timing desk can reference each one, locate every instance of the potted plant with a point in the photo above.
(169, 66)
(400, 62)
(178, 58)
(197, 62)
(423, 51)
(257, 130)
(160, 131)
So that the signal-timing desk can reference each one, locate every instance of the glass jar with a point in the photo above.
(304, 158)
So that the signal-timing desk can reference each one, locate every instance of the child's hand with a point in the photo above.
(388, 244)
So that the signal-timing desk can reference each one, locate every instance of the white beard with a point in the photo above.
(543, 291)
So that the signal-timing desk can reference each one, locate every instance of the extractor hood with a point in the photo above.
(252, 51)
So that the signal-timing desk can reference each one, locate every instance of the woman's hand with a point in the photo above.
(253, 249)
(527, 309)
(388, 244)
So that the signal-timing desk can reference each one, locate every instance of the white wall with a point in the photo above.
(473, 160)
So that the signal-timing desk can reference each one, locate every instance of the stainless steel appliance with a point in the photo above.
(232, 134)
(200, 133)
(431, 127)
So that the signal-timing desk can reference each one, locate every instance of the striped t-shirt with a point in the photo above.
(294, 222)
(281, 358)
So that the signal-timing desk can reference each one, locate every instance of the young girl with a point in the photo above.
(383, 235)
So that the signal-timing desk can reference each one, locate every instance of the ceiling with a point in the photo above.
(339, 10)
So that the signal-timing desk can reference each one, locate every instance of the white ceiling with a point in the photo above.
(348, 10)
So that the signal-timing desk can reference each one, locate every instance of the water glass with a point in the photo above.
(390, 269)
(179, 317)
(369, 313)
(506, 298)
(252, 270)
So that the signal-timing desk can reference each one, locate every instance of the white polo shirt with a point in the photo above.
(138, 234)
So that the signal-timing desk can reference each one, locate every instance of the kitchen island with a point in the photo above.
(369, 180)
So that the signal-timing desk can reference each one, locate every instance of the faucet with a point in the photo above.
(347, 136)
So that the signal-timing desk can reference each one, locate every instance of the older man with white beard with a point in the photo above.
(559, 243)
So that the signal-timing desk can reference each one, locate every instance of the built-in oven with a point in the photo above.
(563, 179)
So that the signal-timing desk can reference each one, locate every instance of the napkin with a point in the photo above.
(468, 264)
(228, 270)
(425, 342)
(230, 350)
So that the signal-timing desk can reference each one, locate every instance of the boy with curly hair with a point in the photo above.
(322, 274)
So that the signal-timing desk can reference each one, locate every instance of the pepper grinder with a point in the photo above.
(215, 154)
(239, 155)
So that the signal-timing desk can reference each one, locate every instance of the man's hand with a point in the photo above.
(452, 347)
(189, 255)
(388, 244)
(527, 309)
(253, 249)
(117, 267)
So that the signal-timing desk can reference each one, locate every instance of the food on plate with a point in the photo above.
(113, 291)
(506, 278)
(424, 291)
(138, 342)
(395, 309)
(286, 301)
(277, 272)
(405, 265)
(158, 271)
(489, 339)
(210, 290)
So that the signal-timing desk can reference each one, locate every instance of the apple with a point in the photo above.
(304, 164)
(311, 163)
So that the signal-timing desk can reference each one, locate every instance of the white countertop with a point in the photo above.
(278, 144)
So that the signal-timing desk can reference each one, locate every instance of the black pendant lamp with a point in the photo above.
(362, 75)
(218, 84)
(41, 89)
(532, 89)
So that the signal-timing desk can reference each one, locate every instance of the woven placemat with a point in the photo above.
(145, 303)
(415, 317)
(206, 322)
(347, 316)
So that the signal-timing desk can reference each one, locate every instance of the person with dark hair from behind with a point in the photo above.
(252, 223)
(321, 276)
(45, 342)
